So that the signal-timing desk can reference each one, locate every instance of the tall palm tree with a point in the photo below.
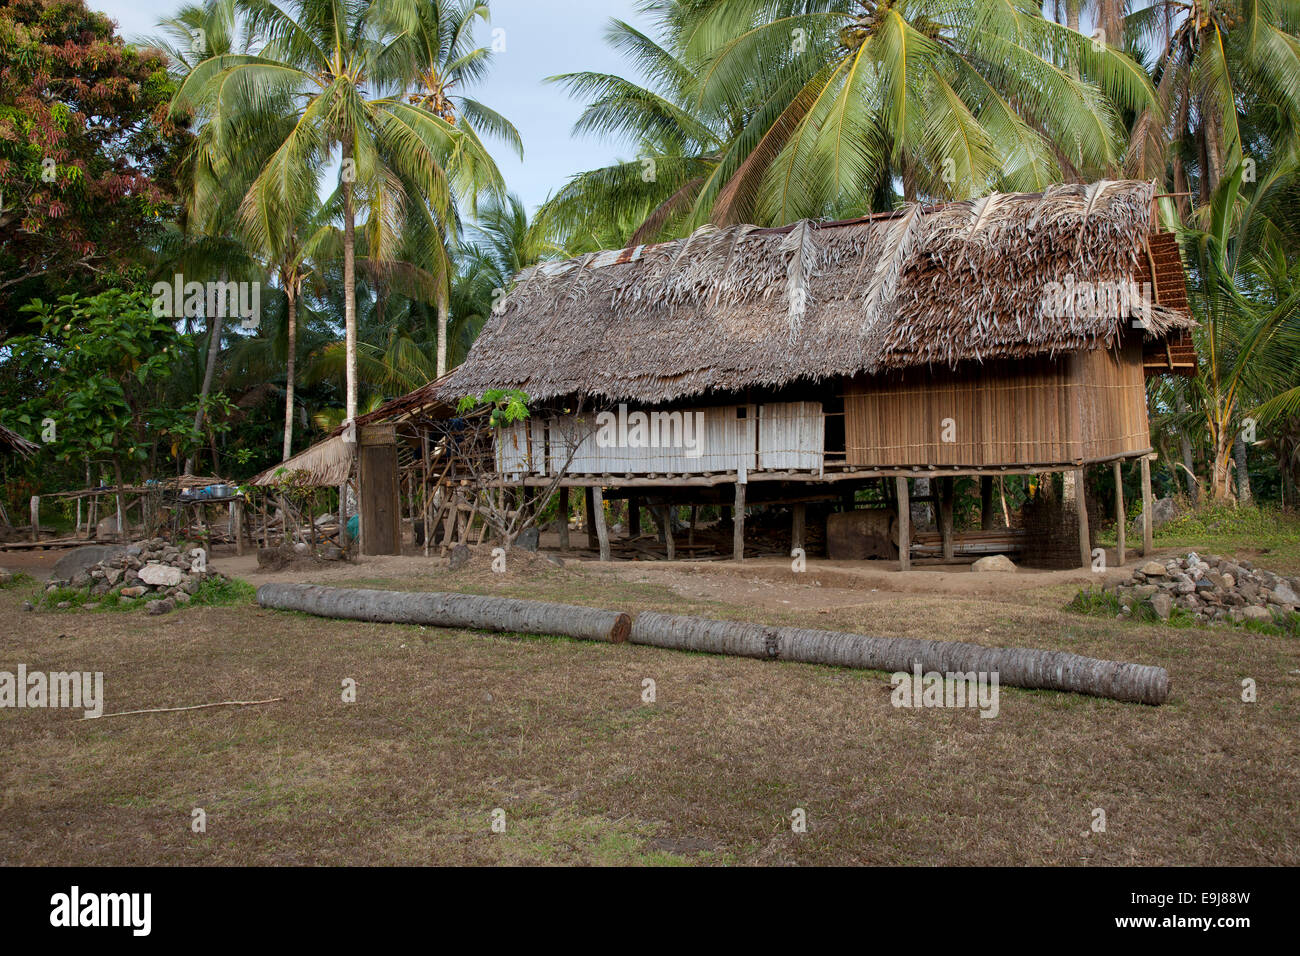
(335, 62)
(1249, 313)
(1212, 59)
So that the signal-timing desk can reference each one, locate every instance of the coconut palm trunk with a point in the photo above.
(1244, 495)
(349, 288)
(216, 324)
(290, 363)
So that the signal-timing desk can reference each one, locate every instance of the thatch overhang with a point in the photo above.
(329, 461)
(738, 308)
(13, 442)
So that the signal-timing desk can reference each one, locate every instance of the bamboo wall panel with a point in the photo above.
(999, 414)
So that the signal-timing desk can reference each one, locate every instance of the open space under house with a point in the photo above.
(791, 368)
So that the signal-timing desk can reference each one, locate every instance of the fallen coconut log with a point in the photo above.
(476, 611)
(1015, 666)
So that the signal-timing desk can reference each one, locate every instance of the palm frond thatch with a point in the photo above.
(942, 285)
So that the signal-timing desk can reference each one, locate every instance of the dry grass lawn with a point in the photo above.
(449, 726)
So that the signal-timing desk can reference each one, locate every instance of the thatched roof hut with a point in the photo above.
(11, 441)
(743, 307)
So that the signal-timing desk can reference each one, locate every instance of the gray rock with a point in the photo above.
(160, 575)
(82, 559)
(1163, 604)
(1284, 593)
(1254, 612)
(527, 540)
(1154, 569)
(994, 562)
(160, 607)
(459, 557)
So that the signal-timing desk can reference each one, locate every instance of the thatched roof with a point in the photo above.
(16, 443)
(743, 307)
(326, 463)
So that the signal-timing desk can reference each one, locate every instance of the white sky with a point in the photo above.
(543, 38)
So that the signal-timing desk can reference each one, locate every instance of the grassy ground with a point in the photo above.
(449, 726)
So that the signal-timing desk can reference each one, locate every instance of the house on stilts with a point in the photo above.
(1011, 334)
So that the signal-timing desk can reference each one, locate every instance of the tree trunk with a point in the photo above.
(1015, 666)
(216, 324)
(449, 610)
(349, 289)
(1244, 495)
(289, 373)
(442, 334)
(987, 522)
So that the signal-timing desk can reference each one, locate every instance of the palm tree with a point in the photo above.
(1248, 307)
(1212, 59)
(338, 66)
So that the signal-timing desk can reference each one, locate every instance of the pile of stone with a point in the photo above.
(1211, 588)
(160, 575)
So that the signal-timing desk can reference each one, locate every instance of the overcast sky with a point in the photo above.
(542, 38)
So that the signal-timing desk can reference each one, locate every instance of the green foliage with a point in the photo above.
(508, 405)
(106, 364)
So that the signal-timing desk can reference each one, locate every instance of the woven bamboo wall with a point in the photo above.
(1034, 412)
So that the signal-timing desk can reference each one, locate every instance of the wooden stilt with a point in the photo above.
(669, 545)
(1120, 517)
(238, 512)
(598, 519)
(35, 507)
(797, 516)
(738, 523)
(945, 517)
(634, 516)
(343, 518)
(1081, 506)
(564, 518)
(904, 524)
(593, 540)
(690, 534)
(1148, 544)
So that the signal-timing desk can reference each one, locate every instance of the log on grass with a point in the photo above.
(1015, 666)
(480, 612)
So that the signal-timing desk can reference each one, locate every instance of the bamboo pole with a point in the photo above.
(35, 507)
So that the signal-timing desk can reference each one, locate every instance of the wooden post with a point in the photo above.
(904, 524)
(1081, 506)
(1120, 517)
(564, 518)
(738, 521)
(593, 540)
(669, 544)
(945, 517)
(598, 514)
(690, 534)
(797, 516)
(1147, 542)
(35, 507)
(238, 506)
(633, 516)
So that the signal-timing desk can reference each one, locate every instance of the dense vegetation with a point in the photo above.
(332, 153)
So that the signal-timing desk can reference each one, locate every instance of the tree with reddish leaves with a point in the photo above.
(86, 151)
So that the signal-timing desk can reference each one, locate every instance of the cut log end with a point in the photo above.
(622, 629)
